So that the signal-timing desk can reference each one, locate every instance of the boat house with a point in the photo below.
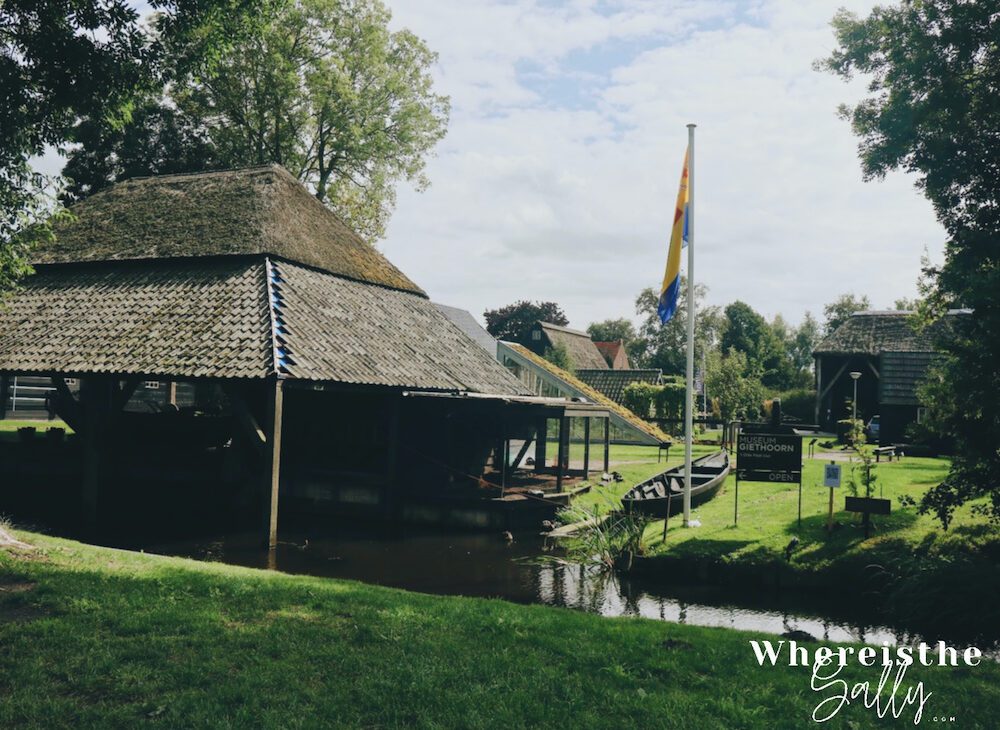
(892, 358)
(316, 370)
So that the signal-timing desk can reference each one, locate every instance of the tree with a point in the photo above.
(905, 304)
(803, 341)
(612, 330)
(88, 58)
(840, 310)
(514, 322)
(324, 88)
(156, 140)
(739, 395)
(664, 346)
(933, 110)
(747, 332)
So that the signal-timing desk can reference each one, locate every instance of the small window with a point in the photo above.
(536, 335)
(152, 384)
(70, 381)
(921, 415)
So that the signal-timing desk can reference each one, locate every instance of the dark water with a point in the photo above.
(527, 570)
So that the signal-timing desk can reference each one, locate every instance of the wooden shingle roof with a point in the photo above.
(237, 317)
(872, 333)
(262, 210)
(612, 383)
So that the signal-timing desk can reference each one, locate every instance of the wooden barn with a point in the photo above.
(892, 357)
(320, 372)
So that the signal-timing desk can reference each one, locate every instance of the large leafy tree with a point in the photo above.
(611, 330)
(514, 322)
(933, 109)
(322, 87)
(801, 343)
(65, 59)
(746, 331)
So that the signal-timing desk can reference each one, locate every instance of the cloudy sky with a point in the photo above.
(558, 175)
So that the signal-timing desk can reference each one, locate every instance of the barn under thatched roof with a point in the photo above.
(875, 332)
(235, 274)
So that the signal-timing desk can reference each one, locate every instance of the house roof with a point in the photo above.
(237, 317)
(250, 211)
(577, 387)
(468, 324)
(612, 351)
(582, 351)
(875, 332)
(612, 383)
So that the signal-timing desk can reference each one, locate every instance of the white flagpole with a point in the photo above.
(689, 411)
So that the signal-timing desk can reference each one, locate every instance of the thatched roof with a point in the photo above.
(582, 351)
(872, 333)
(612, 383)
(250, 211)
(237, 317)
(576, 387)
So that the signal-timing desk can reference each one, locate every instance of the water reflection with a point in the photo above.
(487, 566)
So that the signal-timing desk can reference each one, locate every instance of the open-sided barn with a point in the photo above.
(327, 374)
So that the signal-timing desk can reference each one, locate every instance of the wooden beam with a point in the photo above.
(172, 393)
(561, 464)
(586, 447)
(66, 406)
(272, 461)
(835, 379)
(4, 395)
(541, 442)
(521, 452)
(123, 394)
(872, 366)
(96, 405)
(607, 444)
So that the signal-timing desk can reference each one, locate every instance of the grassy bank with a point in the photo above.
(924, 577)
(93, 637)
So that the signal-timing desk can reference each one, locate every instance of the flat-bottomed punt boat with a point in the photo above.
(653, 496)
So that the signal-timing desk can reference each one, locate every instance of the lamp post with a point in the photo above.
(854, 403)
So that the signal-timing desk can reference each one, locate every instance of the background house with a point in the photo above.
(582, 351)
(893, 358)
(614, 354)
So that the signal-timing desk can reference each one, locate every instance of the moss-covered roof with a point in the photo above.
(590, 394)
(582, 351)
(249, 211)
(872, 333)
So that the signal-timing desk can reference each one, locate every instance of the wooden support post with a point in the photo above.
(586, 448)
(520, 454)
(392, 457)
(541, 442)
(96, 393)
(607, 445)
(172, 393)
(4, 395)
(272, 460)
(561, 459)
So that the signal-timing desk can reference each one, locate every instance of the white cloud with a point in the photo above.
(558, 175)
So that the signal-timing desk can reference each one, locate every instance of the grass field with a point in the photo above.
(100, 638)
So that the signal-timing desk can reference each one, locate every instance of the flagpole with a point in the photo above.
(689, 410)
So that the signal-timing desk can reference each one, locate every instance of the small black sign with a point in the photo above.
(871, 505)
(769, 457)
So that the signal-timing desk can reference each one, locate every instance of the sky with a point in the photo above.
(558, 176)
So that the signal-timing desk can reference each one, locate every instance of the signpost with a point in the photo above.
(868, 506)
(831, 479)
(768, 457)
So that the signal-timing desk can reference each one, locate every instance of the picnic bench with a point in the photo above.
(887, 451)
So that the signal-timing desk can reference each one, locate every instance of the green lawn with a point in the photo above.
(100, 638)
(8, 428)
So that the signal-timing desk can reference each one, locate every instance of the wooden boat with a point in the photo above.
(652, 496)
